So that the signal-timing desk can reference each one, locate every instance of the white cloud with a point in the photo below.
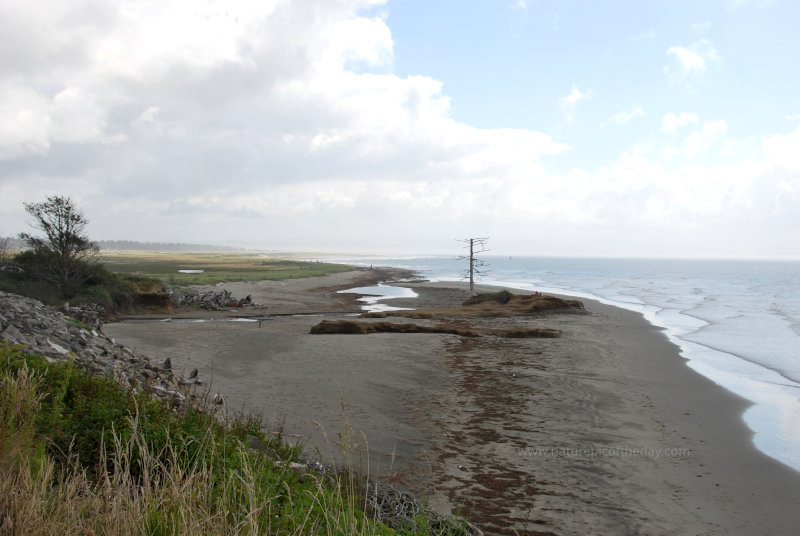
(671, 122)
(569, 102)
(281, 123)
(625, 116)
(700, 141)
(691, 61)
(26, 121)
(521, 4)
(32, 121)
(279, 100)
(784, 151)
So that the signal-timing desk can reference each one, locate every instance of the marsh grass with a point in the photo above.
(216, 267)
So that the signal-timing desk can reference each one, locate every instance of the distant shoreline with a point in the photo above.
(603, 428)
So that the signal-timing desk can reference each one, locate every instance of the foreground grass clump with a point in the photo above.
(81, 455)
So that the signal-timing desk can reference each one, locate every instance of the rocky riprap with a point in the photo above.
(45, 331)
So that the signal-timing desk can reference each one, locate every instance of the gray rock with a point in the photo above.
(44, 330)
(12, 334)
(193, 379)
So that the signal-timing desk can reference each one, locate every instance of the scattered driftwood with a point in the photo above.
(352, 327)
(498, 304)
(214, 300)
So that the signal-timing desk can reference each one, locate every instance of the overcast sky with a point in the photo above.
(614, 128)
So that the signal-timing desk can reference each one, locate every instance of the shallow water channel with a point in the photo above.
(377, 293)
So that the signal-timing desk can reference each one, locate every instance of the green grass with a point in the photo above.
(216, 267)
(82, 455)
(130, 464)
(122, 276)
(78, 323)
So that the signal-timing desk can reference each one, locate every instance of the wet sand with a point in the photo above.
(602, 431)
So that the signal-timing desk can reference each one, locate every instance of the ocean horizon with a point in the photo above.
(737, 322)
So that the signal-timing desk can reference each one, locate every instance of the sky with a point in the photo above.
(658, 128)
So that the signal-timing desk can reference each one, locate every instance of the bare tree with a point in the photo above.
(64, 256)
(476, 246)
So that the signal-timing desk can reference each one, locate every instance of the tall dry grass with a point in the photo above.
(155, 471)
(218, 490)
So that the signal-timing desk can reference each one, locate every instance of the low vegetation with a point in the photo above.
(213, 267)
(119, 277)
(81, 455)
(62, 264)
(110, 290)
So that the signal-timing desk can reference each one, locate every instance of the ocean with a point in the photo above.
(737, 322)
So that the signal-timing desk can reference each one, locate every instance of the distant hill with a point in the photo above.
(11, 243)
(162, 246)
(16, 244)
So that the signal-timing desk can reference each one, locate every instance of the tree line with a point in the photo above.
(12, 243)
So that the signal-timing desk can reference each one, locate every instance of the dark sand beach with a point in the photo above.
(604, 430)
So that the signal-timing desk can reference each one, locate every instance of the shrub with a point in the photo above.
(501, 297)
